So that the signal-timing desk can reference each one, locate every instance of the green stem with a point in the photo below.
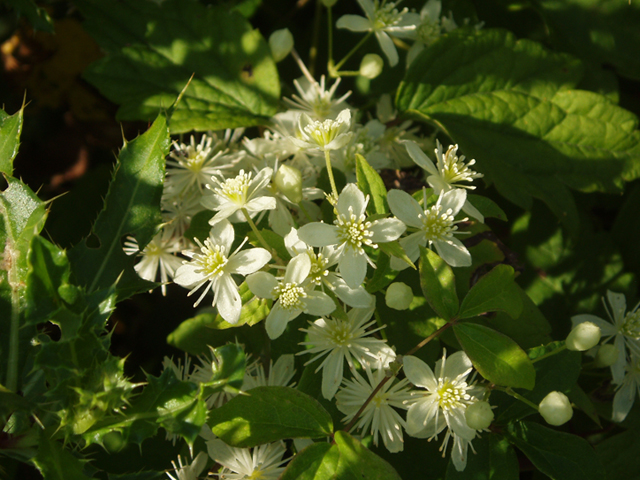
(517, 396)
(431, 337)
(313, 51)
(334, 190)
(330, 33)
(549, 354)
(255, 230)
(334, 69)
(14, 341)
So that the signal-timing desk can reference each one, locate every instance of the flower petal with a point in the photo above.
(247, 261)
(187, 276)
(354, 297)
(419, 373)
(318, 303)
(457, 364)
(262, 284)
(353, 267)
(298, 269)
(405, 207)
(332, 374)
(387, 230)
(418, 156)
(355, 23)
(623, 401)
(351, 196)
(227, 299)
(453, 252)
(319, 234)
(278, 319)
(388, 47)
(222, 234)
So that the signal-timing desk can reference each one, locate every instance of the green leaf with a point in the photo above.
(496, 357)
(438, 284)
(151, 58)
(229, 365)
(508, 104)
(269, 414)
(56, 463)
(370, 182)
(131, 208)
(394, 249)
(493, 459)
(602, 31)
(494, 291)
(36, 16)
(619, 455)
(559, 455)
(383, 274)
(347, 459)
(487, 207)
(10, 130)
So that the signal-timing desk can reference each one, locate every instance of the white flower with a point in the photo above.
(192, 165)
(292, 296)
(324, 135)
(214, 265)
(444, 403)
(350, 232)
(263, 462)
(239, 193)
(320, 274)
(158, 257)
(379, 414)
(450, 171)
(384, 20)
(341, 340)
(189, 472)
(626, 392)
(625, 330)
(315, 100)
(430, 28)
(280, 373)
(436, 226)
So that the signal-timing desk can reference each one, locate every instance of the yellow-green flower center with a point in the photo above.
(631, 325)
(235, 189)
(437, 225)
(354, 231)
(452, 395)
(290, 295)
(212, 260)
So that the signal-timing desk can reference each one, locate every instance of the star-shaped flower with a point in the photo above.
(324, 135)
(627, 390)
(350, 232)
(263, 462)
(214, 266)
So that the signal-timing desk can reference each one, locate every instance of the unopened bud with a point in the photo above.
(399, 296)
(281, 44)
(556, 409)
(607, 355)
(479, 415)
(584, 336)
(289, 181)
(371, 65)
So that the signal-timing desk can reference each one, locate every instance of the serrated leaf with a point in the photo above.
(269, 414)
(496, 357)
(56, 463)
(508, 104)
(493, 459)
(494, 291)
(132, 207)
(151, 57)
(559, 455)
(10, 130)
(370, 183)
(438, 284)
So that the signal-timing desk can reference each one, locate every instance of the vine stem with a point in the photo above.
(327, 158)
(313, 51)
(549, 354)
(517, 396)
(255, 230)
(430, 337)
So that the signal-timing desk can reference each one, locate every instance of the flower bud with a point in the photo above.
(556, 409)
(584, 336)
(399, 296)
(289, 181)
(479, 415)
(371, 65)
(281, 44)
(607, 355)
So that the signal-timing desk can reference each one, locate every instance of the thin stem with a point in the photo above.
(430, 337)
(255, 230)
(517, 396)
(14, 341)
(335, 68)
(549, 354)
(330, 33)
(327, 157)
(313, 51)
(367, 402)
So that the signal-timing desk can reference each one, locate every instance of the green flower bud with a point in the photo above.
(607, 355)
(399, 296)
(289, 181)
(281, 44)
(584, 336)
(479, 415)
(371, 65)
(556, 409)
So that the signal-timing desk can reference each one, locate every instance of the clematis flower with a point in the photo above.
(316, 100)
(350, 232)
(626, 391)
(232, 195)
(279, 374)
(444, 402)
(214, 266)
(385, 21)
(380, 413)
(623, 328)
(436, 226)
(188, 471)
(450, 171)
(430, 27)
(324, 135)
(292, 295)
(342, 340)
(263, 462)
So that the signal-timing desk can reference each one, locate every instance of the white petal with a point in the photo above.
(318, 303)
(388, 47)
(623, 401)
(277, 320)
(227, 299)
(405, 207)
(421, 418)
(186, 275)
(354, 297)
(432, 10)
(298, 269)
(368, 7)
(355, 23)
(454, 200)
(248, 261)
(293, 244)
(262, 284)
(459, 453)
(419, 373)
(260, 181)
(351, 196)
(421, 159)
(411, 245)
(619, 306)
(472, 211)
(353, 267)
(453, 252)
(319, 234)
(457, 364)
(260, 203)
(387, 230)
(222, 234)
(332, 374)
